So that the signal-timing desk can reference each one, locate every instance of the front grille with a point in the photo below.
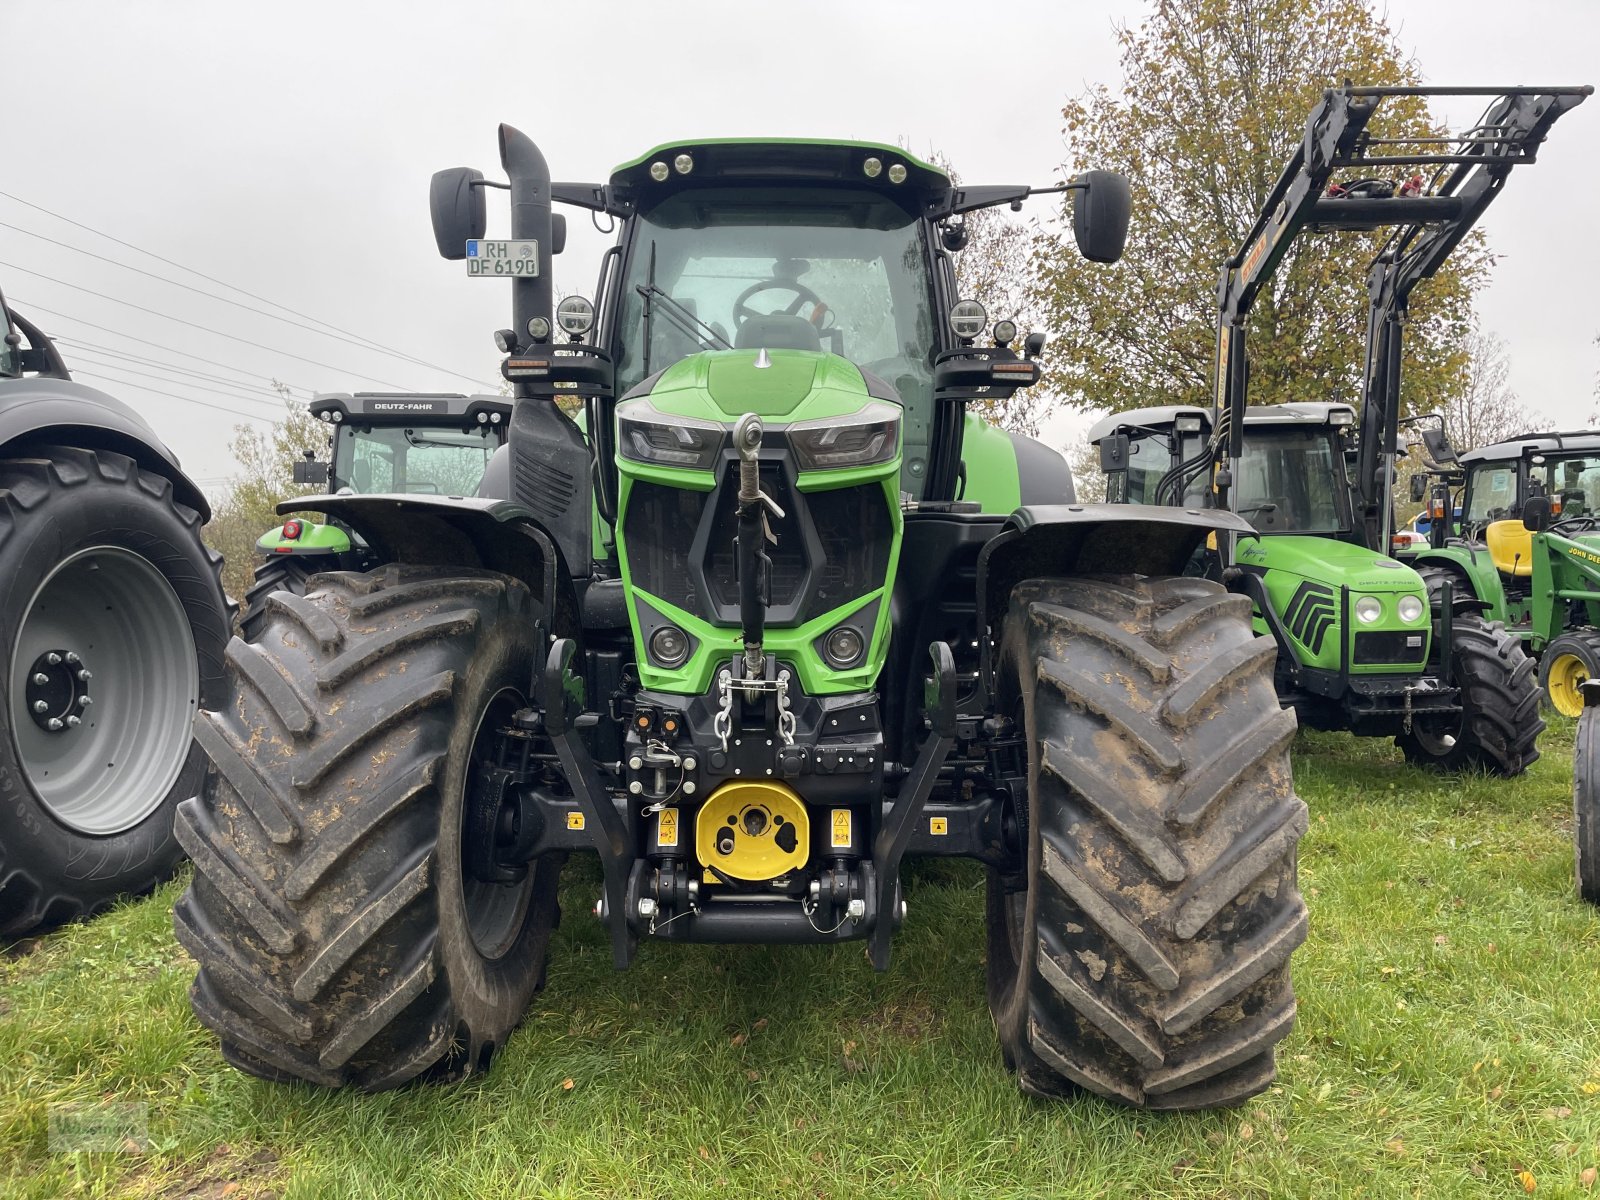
(831, 546)
(1390, 647)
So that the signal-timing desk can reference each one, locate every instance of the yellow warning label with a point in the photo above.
(667, 827)
(841, 827)
(574, 819)
(938, 826)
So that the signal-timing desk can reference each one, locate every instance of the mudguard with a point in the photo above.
(1053, 540)
(47, 410)
(495, 535)
(1473, 562)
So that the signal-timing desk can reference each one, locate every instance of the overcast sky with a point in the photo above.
(285, 148)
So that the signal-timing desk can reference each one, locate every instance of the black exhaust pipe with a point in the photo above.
(550, 460)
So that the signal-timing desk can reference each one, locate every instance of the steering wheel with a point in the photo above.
(1567, 526)
(820, 312)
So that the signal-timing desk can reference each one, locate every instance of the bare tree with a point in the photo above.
(1487, 409)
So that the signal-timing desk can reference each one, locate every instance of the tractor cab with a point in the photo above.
(1503, 477)
(1291, 477)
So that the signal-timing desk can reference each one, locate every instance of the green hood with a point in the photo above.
(1331, 562)
(781, 385)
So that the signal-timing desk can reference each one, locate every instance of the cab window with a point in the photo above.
(1491, 494)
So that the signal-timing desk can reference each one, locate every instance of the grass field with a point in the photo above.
(1447, 1046)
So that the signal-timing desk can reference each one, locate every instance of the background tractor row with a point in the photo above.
(1362, 642)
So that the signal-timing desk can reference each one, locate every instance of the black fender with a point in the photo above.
(1055, 540)
(50, 410)
(454, 531)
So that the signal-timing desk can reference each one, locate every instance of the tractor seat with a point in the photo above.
(777, 331)
(1510, 547)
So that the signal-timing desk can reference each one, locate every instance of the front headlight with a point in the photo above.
(869, 436)
(647, 436)
(1410, 608)
(1368, 609)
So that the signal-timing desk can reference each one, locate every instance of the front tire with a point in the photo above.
(1498, 727)
(1586, 805)
(1142, 953)
(1566, 663)
(112, 627)
(341, 938)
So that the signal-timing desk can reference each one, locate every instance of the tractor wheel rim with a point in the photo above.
(105, 682)
(1564, 683)
(495, 912)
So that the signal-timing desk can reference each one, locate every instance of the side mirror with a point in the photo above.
(558, 231)
(1536, 514)
(1419, 488)
(1438, 446)
(1100, 214)
(458, 210)
(1114, 453)
(310, 471)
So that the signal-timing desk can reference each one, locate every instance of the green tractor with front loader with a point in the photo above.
(113, 623)
(778, 615)
(1526, 547)
(1363, 644)
(427, 443)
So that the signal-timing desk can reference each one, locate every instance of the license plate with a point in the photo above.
(503, 259)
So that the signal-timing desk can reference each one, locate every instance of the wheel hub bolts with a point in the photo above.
(57, 690)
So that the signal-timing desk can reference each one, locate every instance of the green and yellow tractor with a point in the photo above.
(1526, 547)
(777, 615)
(426, 443)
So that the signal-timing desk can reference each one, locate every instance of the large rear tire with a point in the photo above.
(1143, 951)
(112, 627)
(1498, 727)
(341, 937)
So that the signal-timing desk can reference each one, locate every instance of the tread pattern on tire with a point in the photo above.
(49, 475)
(1165, 907)
(1586, 805)
(313, 912)
(279, 574)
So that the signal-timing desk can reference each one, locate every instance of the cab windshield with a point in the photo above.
(388, 459)
(808, 269)
(1291, 481)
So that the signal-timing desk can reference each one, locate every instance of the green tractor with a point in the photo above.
(428, 443)
(1527, 547)
(778, 615)
(1362, 645)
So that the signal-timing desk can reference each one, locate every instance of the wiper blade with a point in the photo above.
(683, 318)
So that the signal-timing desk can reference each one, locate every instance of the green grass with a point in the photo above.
(1447, 1041)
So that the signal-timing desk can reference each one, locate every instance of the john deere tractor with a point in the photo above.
(1362, 644)
(112, 628)
(779, 615)
(431, 443)
(1527, 547)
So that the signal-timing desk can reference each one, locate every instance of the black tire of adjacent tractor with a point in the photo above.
(339, 939)
(1143, 955)
(117, 567)
(1566, 662)
(1586, 805)
(1434, 579)
(281, 573)
(1499, 725)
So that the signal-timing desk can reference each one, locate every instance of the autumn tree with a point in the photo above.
(1214, 98)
